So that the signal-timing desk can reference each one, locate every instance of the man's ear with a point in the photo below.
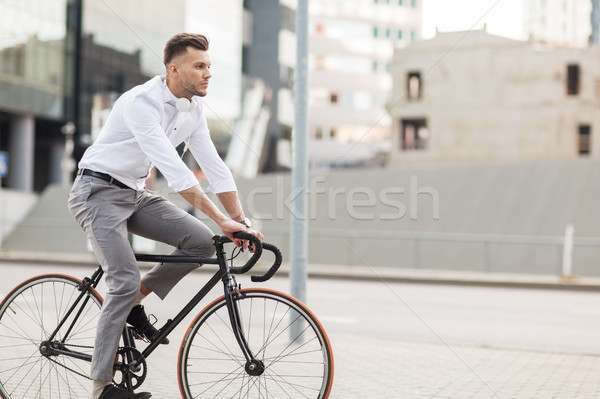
(173, 70)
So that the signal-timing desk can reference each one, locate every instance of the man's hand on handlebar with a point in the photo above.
(230, 226)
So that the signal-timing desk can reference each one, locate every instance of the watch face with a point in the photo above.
(246, 222)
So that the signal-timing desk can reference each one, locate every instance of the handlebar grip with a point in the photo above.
(258, 248)
(274, 268)
(255, 256)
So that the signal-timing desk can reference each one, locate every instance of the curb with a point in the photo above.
(458, 278)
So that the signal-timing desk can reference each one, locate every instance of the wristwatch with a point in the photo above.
(246, 222)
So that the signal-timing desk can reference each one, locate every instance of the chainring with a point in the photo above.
(127, 355)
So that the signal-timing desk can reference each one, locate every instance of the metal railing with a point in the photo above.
(418, 238)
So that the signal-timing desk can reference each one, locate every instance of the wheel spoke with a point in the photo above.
(28, 316)
(296, 365)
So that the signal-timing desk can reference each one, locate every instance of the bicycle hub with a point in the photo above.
(255, 367)
(46, 349)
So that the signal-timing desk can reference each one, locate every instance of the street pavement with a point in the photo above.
(408, 340)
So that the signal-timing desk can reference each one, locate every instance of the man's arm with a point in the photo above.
(231, 203)
(233, 206)
(200, 200)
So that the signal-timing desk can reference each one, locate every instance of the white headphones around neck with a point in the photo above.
(184, 105)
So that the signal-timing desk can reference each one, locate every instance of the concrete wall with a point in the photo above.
(47, 227)
(14, 206)
(439, 218)
(499, 218)
(487, 98)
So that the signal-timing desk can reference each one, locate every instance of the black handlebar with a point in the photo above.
(273, 269)
(258, 248)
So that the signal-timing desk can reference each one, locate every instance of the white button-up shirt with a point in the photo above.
(143, 130)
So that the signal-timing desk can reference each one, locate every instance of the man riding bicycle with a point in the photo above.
(108, 199)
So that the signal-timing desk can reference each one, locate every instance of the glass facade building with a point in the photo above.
(63, 64)
(37, 66)
(67, 60)
(36, 57)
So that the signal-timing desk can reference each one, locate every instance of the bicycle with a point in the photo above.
(249, 343)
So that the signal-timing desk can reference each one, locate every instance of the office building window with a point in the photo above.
(375, 31)
(399, 2)
(413, 3)
(400, 34)
(414, 85)
(584, 140)
(288, 19)
(318, 132)
(388, 33)
(413, 36)
(286, 76)
(245, 51)
(414, 134)
(572, 80)
(319, 62)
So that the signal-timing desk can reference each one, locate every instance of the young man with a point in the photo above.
(108, 200)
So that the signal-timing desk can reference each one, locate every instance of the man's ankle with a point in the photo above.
(98, 387)
(140, 298)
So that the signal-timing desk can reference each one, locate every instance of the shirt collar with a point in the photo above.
(168, 97)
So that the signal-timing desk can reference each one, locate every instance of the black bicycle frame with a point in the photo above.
(84, 287)
(221, 275)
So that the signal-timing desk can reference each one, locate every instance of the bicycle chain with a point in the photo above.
(68, 368)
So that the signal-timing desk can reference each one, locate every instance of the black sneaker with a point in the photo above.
(138, 319)
(112, 392)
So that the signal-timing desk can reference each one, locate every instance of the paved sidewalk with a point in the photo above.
(403, 341)
(394, 369)
(390, 369)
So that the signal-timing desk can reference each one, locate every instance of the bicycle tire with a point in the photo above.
(28, 315)
(211, 363)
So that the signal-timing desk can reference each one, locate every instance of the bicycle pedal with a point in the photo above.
(139, 336)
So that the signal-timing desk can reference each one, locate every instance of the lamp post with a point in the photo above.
(299, 219)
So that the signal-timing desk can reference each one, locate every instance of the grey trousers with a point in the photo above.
(107, 213)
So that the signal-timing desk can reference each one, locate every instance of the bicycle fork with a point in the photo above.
(254, 366)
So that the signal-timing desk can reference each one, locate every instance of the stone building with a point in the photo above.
(475, 97)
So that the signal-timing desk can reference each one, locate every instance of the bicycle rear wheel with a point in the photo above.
(28, 315)
(281, 332)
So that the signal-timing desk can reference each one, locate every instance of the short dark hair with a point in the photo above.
(179, 43)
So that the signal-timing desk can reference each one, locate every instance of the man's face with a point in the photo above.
(194, 71)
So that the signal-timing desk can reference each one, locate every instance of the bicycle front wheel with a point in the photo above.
(281, 332)
(28, 316)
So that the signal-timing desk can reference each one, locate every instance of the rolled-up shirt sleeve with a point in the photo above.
(142, 115)
(203, 149)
